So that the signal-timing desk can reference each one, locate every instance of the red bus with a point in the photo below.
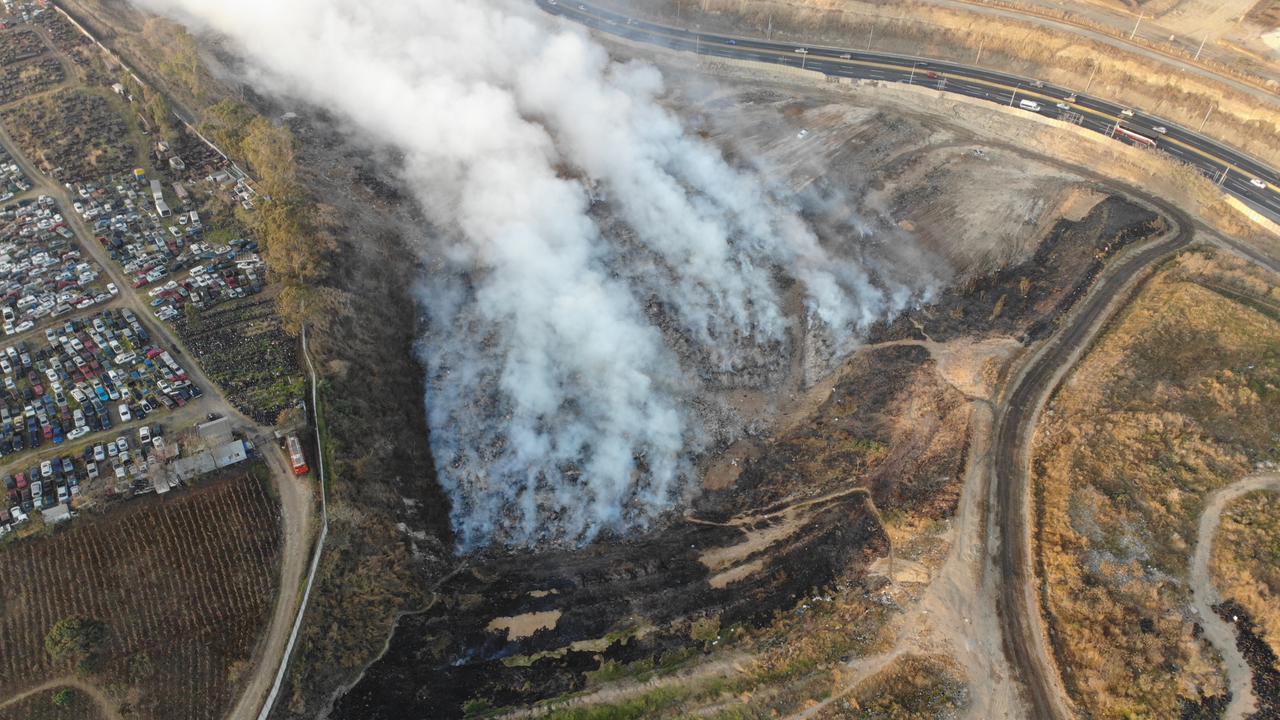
(296, 457)
(1134, 138)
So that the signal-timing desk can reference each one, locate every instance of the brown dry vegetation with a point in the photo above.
(1246, 560)
(1022, 47)
(183, 584)
(913, 687)
(1177, 399)
(1265, 13)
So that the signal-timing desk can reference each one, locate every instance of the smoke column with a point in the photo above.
(558, 406)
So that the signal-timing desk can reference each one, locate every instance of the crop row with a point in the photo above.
(186, 583)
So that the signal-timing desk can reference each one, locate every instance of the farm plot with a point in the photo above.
(56, 704)
(182, 585)
(72, 135)
(242, 347)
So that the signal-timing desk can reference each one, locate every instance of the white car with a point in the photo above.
(1126, 113)
(144, 434)
(100, 453)
(111, 288)
(1160, 129)
(78, 433)
(1258, 183)
(125, 415)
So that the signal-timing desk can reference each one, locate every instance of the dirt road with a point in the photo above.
(1205, 595)
(297, 508)
(105, 705)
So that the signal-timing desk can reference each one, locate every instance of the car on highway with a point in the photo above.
(1160, 129)
(1126, 113)
(1258, 183)
(1063, 106)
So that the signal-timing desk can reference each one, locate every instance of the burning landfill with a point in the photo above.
(597, 275)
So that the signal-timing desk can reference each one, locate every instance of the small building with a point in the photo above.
(56, 514)
(215, 432)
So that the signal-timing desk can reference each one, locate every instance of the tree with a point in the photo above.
(269, 149)
(64, 697)
(158, 109)
(75, 638)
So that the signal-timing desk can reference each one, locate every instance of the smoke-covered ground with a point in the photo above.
(596, 272)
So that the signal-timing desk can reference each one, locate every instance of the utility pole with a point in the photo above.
(1135, 26)
(1202, 41)
(769, 33)
(912, 79)
(871, 35)
(1015, 94)
(980, 46)
(1095, 72)
(1206, 117)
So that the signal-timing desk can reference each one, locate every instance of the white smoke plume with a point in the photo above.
(559, 407)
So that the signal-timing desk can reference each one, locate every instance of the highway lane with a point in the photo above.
(1232, 169)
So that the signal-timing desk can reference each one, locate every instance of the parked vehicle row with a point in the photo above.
(13, 181)
(42, 272)
(121, 463)
(90, 374)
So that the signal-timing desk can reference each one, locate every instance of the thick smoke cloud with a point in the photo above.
(557, 400)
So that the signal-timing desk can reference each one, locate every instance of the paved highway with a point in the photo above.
(1231, 169)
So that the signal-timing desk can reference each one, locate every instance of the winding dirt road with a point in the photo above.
(105, 705)
(1025, 640)
(1205, 594)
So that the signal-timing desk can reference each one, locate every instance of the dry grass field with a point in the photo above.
(183, 585)
(1181, 396)
(912, 687)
